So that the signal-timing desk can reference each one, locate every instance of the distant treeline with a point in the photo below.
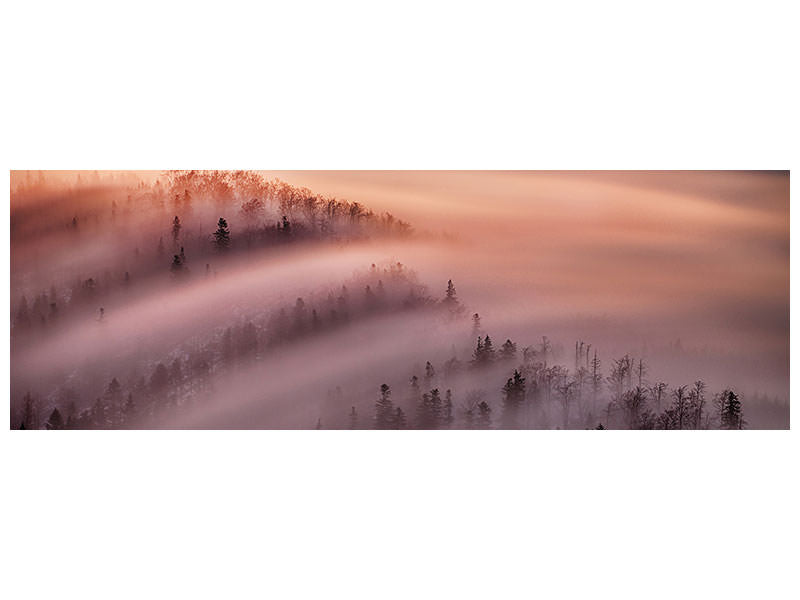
(180, 381)
(532, 391)
(175, 237)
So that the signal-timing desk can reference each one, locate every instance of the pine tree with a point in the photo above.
(177, 265)
(484, 420)
(384, 411)
(447, 412)
(176, 229)
(731, 411)
(476, 325)
(430, 372)
(222, 237)
(488, 350)
(113, 400)
(30, 412)
(450, 299)
(508, 351)
(55, 421)
(129, 409)
(477, 355)
(400, 419)
(513, 398)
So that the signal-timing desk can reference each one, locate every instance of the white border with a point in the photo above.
(573, 85)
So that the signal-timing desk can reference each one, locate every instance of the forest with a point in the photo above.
(227, 299)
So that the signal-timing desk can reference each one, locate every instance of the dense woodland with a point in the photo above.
(191, 225)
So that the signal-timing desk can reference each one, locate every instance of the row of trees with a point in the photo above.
(254, 194)
(526, 405)
(267, 213)
(181, 382)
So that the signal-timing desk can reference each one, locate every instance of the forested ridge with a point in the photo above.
(94, 263)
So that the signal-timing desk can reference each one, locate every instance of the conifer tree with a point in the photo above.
(488, 350)
(384, 411)
(731, 411)
(430, 372)
(508, 351)
(450, 301)
(176, 229)
(484, 420)
(447, 411)
(513, 398)
(476, 325)
(400, 419)
(222, 237)
(55, 421)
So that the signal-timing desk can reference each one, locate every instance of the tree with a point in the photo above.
(129, 409)
(657, 392)
(55, 421)
(252, 209)
(447, 413)
(484, 352)
(177, 265)
(430, 372)
(299, 316)
(597, 379)
(176, 229)
(513, 398)
(680, 407)
(484, 420)
(641, 372)
(30, 412)
(353, 418)
(730, 410)
(384, 411)
(400, 419)
(476, 325)
(429, 410)
(222, 237)
(697, 400)
(113, 400)
(566, 391)
(632, 404)
(508, 351)
(451, 299)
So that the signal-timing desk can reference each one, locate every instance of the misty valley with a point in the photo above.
(238, 300)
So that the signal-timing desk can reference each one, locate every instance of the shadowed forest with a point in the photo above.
(399, 300)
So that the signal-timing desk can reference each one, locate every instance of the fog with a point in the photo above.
(131, 321)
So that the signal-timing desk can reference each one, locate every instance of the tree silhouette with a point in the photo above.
(55, 421)
(513, 398)
(176, 229)
(508, 351)
(400, 419)
(384, 411)
(222, 237)
(476, 325)
(450, 301)
(731, 416)
(430, 372)
(484, 419)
